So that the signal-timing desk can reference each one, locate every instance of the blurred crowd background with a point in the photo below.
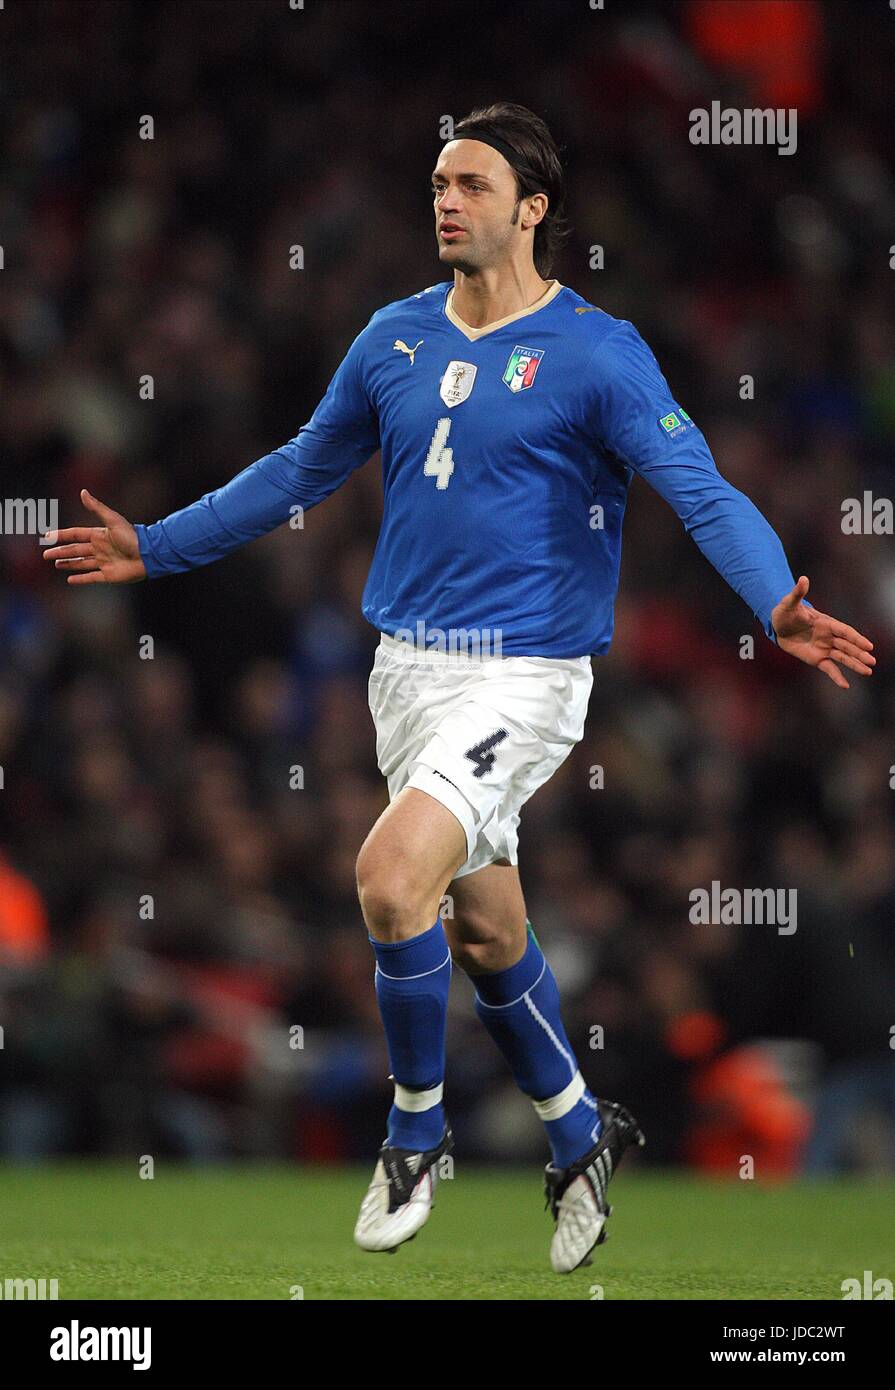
(183, 964)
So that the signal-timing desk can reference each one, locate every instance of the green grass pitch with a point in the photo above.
(246, 1232)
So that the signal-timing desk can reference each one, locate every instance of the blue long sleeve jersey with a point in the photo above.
(507, 454)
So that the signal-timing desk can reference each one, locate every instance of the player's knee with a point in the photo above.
(390, 900)
(481, 945)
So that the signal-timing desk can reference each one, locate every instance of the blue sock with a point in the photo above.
(412, 981)
(520, 1008)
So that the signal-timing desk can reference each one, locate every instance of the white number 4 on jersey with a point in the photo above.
(440, 460)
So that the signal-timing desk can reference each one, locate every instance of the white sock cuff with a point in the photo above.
(415, 1102)
(556, 1106)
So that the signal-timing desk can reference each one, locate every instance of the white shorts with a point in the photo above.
(479, 734)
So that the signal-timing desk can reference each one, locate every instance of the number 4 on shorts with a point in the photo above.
(482, 755)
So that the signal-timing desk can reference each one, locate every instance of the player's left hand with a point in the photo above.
(818, 639)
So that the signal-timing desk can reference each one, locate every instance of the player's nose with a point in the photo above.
(449, 198)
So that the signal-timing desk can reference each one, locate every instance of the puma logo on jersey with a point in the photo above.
(401, 346)
(587, 309)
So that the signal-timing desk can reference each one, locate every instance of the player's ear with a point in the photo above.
(535, 209)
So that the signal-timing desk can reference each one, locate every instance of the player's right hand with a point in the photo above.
(104, 554)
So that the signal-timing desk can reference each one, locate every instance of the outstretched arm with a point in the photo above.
(340, 436)
(640, 423)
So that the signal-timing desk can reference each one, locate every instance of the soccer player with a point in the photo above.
(511, 415)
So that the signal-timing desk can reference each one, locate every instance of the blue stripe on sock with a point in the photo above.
(520, 1008)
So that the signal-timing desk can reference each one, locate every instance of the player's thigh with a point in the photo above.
(408, 859)
(485, 923)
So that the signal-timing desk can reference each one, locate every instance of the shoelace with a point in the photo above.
(377, 1183)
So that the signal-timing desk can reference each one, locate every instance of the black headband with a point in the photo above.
(475, 132)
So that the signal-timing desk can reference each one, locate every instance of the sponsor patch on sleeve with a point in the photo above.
(676, 422)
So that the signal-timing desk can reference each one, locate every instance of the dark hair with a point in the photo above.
(538, 169)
